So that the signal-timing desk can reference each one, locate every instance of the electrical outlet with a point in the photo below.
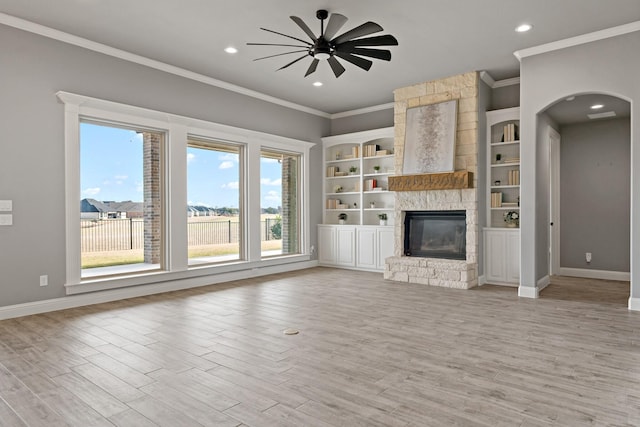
(313, 249)
(44, 280)
(588, 256)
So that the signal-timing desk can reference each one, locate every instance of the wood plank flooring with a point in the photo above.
(369, 353)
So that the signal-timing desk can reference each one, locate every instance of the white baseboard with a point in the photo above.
(482, 280)
(595, 274)
(79, 300)
(528, 291)
(543, 283)
(634, 304)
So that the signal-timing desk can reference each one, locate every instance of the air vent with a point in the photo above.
(602, 115)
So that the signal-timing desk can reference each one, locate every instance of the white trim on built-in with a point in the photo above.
(177, 129)
(578, 40)
(493, 84)
(623, 276)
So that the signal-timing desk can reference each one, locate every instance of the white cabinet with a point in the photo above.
(502, 256)
(366, 256)
(326, 245)
(357, 169)
(345, 246)
(385, 243)
(357, 247)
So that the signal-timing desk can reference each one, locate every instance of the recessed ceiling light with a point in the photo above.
(597, 106)
(231, 49)
(524, 28)
(317, 84)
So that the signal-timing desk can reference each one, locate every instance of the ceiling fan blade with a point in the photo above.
(291, 37)
(359, 31)
(365, 64)
(292, 62)
(280, 54)
(337, 68)
(336, 21)
(372, 53)
(304, 27)
(312, 67)
(386, 40)
(275, 44)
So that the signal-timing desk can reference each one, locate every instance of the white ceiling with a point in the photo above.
(437, 38)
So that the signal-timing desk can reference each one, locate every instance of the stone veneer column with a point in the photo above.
(152, 206)
(458, 274)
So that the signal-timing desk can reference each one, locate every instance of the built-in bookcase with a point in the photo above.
(356, 177)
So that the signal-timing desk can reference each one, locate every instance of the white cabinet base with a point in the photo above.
(362, 247)
(502, 256)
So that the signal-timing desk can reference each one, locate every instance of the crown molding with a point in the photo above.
(486, 77)
(387, 106)
(61, 36)
(578, 40)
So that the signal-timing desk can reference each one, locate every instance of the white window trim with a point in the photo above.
(177, 129)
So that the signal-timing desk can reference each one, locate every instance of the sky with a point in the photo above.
(111, 170)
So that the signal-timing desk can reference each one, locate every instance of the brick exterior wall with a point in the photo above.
(152, 207)
(429, 271)
(290, 208)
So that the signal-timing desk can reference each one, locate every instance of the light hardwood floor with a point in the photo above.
(369, 353)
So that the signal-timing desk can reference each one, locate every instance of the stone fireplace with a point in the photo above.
(443, 192)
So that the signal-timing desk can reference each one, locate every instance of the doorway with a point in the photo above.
(588, 140)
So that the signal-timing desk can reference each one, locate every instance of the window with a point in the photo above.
(121, 206)
(280, 199)
(214, 210)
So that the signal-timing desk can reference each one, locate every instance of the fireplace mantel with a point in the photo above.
(432, 181)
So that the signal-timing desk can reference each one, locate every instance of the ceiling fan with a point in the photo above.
(350, 46)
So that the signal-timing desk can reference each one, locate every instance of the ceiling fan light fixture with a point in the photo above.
(322, 55)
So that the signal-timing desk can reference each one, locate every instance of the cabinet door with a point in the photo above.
(386, 243)
(345, 254)
(495, 261)
(366, 247)
(513, 257)
(326, 245)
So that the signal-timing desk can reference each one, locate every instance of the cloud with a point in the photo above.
(121, 177)
(272, 196)
(226, 165)
(229, 156)
(93, 191)
(231, 185)
(190, 157)
(274, 182)
(268, 160)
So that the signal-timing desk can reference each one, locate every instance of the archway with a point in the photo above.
(588, 171)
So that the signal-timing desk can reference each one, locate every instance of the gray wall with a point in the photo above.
(32, 158)
(610, 66)
(595, 194)
(505, 97)
(360, 122)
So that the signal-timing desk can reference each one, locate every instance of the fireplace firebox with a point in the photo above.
(435, 234)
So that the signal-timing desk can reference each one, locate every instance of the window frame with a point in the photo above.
(177, 273)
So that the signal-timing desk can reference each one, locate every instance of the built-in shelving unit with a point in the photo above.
(501, 243)
(357, 169)
(352, 186)
(503, 164)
